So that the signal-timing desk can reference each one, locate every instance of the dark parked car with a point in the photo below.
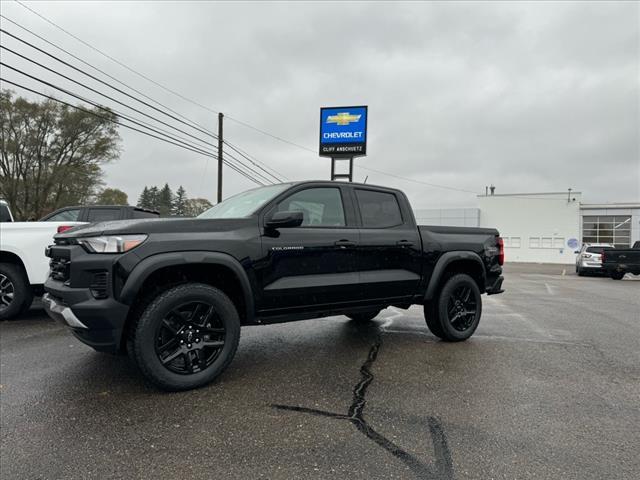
(617, 263)
(174, 292)
(98, 213)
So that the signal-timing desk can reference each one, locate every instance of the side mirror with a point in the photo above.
(285, 220)
(577, 251)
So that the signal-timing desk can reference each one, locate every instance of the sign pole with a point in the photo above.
(351, 169)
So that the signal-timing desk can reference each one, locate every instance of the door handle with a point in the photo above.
(404, 243)
(345, 243)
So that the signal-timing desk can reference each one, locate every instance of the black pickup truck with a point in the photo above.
(174, 292)
(617, 262)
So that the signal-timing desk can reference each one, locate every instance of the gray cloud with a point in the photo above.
(529, 96)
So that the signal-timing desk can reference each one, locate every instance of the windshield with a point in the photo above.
(244, 204)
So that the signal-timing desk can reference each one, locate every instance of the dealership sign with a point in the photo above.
(343, 132)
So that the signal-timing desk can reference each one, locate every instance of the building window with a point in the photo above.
(614, 229)
(541, 242)
(547, 242)
(558, 242)
(534, 242)
(511, 242)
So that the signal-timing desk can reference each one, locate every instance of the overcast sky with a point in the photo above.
(530, 97)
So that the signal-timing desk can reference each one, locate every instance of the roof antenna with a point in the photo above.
(365, 179)
(569, 197)
(492, 188)
(486, 191)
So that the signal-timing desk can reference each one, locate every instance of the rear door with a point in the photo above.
(389, 254)
(313, 266)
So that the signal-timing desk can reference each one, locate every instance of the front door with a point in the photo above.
(313, 266)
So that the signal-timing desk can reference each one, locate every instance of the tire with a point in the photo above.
(15, 291)
(363, 317)
(444, 314)
(431, 317)
(580, 272)
(185, 337)
(617, 275)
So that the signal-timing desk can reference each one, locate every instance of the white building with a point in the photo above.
(544, 227)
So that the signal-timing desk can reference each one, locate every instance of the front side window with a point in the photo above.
(378, 209)
(321, 207)
(65, 216)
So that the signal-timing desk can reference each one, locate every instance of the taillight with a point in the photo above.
(500, 251)
(64, 228)
(602, 256)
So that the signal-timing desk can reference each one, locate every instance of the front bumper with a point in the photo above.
(97, 323)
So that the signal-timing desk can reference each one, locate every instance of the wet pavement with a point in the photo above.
(548, 387)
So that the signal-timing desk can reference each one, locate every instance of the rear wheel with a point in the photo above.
(617, 275)
(186, 336)
(455, 313)
(15, 291)
(363, 317)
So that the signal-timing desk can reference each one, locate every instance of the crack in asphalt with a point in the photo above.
(441, 469)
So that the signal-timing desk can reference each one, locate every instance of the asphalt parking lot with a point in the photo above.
(549, 387)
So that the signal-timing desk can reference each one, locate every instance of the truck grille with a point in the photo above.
(59, 269)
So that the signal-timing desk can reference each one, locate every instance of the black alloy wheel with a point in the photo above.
(454, 313)
(190, 338)
(185, 337)
(462, 308)
(7, 292)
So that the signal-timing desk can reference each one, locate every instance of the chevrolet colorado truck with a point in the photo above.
(618, 262)
(173, 293)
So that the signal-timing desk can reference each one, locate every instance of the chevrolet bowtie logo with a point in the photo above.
(343, 118)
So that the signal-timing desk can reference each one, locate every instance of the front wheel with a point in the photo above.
(455, 313)
(185, 337)
(617, 275)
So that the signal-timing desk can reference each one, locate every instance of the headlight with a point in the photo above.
(111, 243)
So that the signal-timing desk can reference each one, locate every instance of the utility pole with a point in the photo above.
(220, 117)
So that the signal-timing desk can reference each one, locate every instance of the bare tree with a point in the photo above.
(51, 154)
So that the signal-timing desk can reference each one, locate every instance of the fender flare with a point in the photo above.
(155, 262)
(443, 262)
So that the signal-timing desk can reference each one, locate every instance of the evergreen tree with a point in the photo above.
(180, 202)
(165, 200)
(153, 198)
(144, 201)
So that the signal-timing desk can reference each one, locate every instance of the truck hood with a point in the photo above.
(156, 225)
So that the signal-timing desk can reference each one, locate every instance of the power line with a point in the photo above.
(177, 144)
(105, 83)
(418, 181)
(101, 71)
(191, 123)
(256, 173)
(114, 59)
(256, 162)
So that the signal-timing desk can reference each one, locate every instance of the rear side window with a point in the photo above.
(103, 214)
(321, 207)
(378, 209)
(65, 216)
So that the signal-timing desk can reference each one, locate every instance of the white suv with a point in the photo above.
(589, 257)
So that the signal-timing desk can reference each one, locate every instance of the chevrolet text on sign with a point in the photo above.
(343, 131)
